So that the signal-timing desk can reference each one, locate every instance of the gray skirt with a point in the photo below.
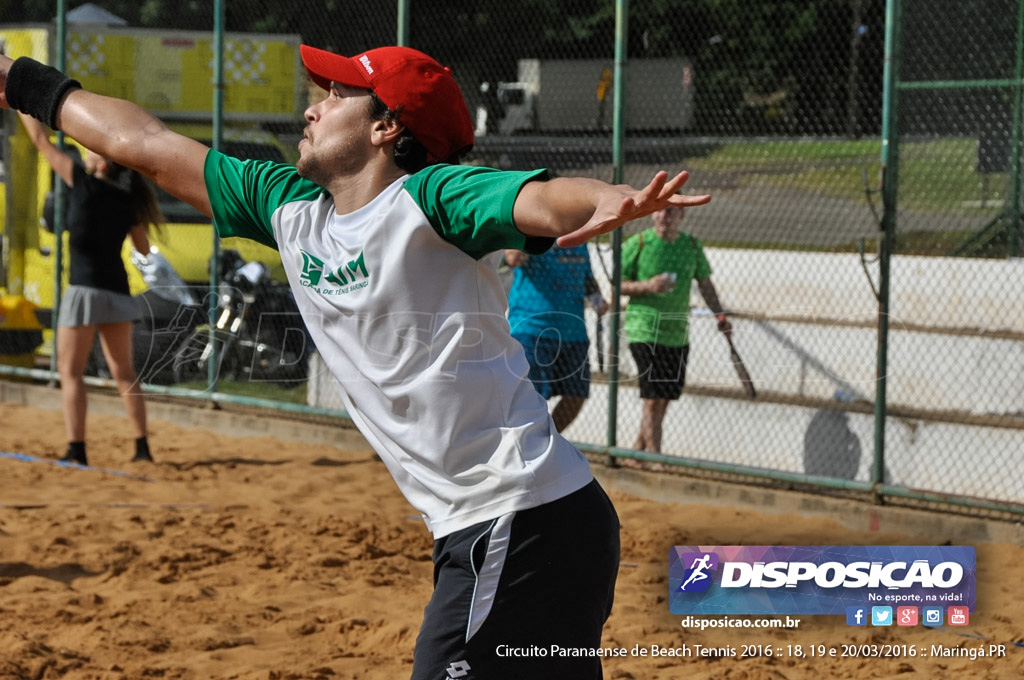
(85, 306)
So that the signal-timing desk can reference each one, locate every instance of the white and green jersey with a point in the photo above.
(403, 300)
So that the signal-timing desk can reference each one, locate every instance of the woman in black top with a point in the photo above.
(106, 204)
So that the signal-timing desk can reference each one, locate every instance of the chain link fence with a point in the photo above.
(955, 346)
(778, 110)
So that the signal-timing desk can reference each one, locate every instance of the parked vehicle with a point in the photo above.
(159, 69)
(572, 96)
(258, 334)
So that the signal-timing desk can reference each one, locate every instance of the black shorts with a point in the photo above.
(508, 590)
(557, 367)
(661, 370)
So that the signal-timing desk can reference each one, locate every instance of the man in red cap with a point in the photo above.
(392, 251)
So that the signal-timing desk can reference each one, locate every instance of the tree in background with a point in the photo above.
(780, 67)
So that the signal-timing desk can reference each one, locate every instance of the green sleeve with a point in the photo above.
(244, 195)
(471, 207)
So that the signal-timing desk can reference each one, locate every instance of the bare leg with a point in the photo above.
(566, 410)
(642, 435)
(74, 343)
(649, 438)
(116, 339)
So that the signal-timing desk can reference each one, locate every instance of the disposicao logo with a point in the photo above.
(818, 579)
(698, 574)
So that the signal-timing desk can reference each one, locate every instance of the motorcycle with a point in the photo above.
(257, 336)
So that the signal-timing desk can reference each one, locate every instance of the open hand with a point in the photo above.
(622, 203)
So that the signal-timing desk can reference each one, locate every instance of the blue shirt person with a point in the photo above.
(546, 316)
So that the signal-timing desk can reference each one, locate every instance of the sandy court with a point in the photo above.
(259, 557)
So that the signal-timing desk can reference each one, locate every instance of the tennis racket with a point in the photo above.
(741, 369)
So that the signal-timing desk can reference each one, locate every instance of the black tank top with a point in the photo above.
(100, 215)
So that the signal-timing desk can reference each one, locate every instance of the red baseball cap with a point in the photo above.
(423, 93)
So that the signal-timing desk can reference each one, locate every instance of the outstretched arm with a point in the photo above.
(126, 133)
(576, 209)
(61, 163)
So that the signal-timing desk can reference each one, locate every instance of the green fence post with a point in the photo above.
(58, 196)
(218, 133)
(1017, 92)
(402, 27)
(890, 176)
(618, 128)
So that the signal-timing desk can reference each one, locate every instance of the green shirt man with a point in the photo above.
(657, 268)
(662, 317)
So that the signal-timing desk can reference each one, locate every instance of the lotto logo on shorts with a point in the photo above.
(459, 669)
(834, 580)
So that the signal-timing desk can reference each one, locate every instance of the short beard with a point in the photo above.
(309, 168)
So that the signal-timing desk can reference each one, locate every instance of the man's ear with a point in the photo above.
(385, 131)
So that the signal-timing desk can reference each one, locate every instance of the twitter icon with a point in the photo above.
(881, 616)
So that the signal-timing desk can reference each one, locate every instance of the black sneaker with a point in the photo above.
(74, 457)
(142, 457)
(142, 454)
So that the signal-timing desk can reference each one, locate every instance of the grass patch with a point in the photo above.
(920, 243)
(937, 176)
(254, 390)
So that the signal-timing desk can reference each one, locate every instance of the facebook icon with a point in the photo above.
(856, 616)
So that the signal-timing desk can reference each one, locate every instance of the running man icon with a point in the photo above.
(698, 572)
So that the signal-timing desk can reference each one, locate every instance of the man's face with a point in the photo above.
(668, 219)
(336, 140)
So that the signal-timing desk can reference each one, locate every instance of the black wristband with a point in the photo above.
(37, 89)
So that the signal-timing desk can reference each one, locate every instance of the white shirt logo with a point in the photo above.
(365, 61)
